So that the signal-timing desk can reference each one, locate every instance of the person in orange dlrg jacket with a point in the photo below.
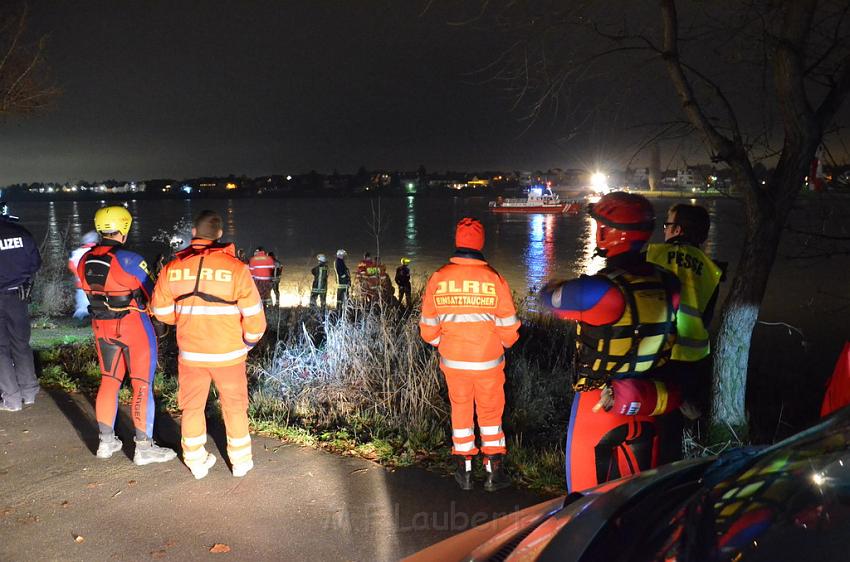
(210, 296)
(468, 314)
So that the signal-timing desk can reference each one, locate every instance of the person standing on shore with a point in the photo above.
(319, 291)
(118, 285)
(19, 262)
(468, 313)
(277, 271)
(685, 231)
(402, 279)
(81, 301)
(210, 296)
(343, 279)
(261, 266)
(626, 328)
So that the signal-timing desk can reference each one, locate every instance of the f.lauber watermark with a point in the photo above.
(387, 517)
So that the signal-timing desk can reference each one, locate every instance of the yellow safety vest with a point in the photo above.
(699, 277)
(639, 341)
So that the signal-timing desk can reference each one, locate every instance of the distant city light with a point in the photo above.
(288, 178)
(230, 185)
(186, 189)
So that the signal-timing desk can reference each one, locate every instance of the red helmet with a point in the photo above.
(624, 222)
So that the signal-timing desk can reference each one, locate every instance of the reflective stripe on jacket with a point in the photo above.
(262, 267)
(468, 313)
(209, 294)
(699, 277)
(640, 340)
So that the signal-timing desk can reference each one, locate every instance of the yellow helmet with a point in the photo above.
(405, 261)
(108, 220)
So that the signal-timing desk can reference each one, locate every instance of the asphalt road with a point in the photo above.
(59, 502)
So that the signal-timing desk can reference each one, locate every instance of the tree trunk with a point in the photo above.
(768, 208)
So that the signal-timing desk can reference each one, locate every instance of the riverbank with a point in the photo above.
(363, 386)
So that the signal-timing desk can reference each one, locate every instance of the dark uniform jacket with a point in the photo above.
(19, 257)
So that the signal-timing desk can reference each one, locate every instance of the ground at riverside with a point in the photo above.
(59, 502)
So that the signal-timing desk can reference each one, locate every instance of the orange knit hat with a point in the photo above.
(469, 234)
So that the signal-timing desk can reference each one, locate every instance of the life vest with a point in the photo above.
(108, 300)
(639, 341)
(74, 262)
(699, 277)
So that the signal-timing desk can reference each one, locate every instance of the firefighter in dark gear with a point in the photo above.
(319, 291)
(19, 262)
(343, 279)
(626, 329)
(402, 280)
(119, 286)
(685, 231)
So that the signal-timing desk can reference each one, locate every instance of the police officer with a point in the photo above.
(19, 261)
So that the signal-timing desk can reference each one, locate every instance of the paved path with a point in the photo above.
(297, 504)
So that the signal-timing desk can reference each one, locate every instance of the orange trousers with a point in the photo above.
(481, 393)
(192, 392)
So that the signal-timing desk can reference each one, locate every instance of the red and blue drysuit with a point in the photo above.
(119, 287)
(626, 316)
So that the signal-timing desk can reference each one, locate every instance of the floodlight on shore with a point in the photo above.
(599, 182)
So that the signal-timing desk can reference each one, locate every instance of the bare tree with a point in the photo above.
(758, 81)
(25, 86)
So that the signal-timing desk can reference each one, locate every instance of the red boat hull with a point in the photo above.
(566, 208)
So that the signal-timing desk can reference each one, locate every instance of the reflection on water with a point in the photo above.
(230, 220)
(528, 250)
(540, 251)
(55, 240)
(410, 232)
(589, 262)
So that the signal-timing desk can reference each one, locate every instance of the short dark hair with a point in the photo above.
(208, 225)
(694, 221)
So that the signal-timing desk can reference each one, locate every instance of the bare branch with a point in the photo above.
(722, 146)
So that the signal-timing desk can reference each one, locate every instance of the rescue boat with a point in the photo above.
(536, 202)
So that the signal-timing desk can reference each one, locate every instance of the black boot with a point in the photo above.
(497, 478)
(463, 474)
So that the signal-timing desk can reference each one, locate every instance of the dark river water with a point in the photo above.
(808, 287)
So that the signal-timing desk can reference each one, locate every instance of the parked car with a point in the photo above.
(790, 501)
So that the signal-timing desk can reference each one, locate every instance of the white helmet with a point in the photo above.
(322, 258)
(341, 253)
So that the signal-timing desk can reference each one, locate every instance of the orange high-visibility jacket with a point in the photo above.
(209, 294)
(468, 313)
(261, 266)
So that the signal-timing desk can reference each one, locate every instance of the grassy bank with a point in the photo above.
(365, 385)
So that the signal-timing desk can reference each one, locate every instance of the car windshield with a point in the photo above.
(788, 502)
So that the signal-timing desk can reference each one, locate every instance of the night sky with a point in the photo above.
(181, 89)
(189, 88)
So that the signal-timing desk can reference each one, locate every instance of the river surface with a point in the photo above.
(808, 287)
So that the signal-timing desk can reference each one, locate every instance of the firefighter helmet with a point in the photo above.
(321, 258)
(112, 219)
(405, 261)
(625, 221)
(341, 253)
